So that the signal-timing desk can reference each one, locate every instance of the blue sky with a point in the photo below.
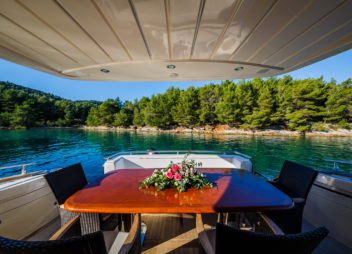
(338, 67)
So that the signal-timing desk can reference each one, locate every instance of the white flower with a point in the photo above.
(201, 175)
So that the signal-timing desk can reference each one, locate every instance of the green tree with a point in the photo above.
(107, 111)
(139, 111)
(305, 103)
(22, 116)
(185, 113)
(209, 97)
(227, 110)
(246, 100)
(125, 116)
(339, 102)
(261, 116)
(93, 118)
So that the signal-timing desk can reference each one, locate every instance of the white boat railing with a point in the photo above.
(336, 162)
(23, 166)
(177, 152)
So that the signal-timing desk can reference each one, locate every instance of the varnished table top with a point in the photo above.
(235, 190)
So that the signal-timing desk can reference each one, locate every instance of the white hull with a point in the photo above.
(329, 204)
(162, 160)
(26, 205)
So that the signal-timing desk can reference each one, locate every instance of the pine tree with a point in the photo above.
(227, 109)
(209, 96)
(305, 104)
(261, 116)
(339, 102)
(186, 111)
(245, 95)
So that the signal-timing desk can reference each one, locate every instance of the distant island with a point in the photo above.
(257, 104)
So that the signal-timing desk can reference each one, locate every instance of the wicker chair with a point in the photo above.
(225, 239)
(295, 180)
(100, 242)
(64, 183)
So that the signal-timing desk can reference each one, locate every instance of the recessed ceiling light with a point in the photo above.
(239, 68)
(170, 66)
(105, 70)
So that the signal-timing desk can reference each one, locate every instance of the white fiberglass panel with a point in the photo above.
(162, 160)
(215, 16)
(183, 19)
(152, 17)
(122, 20)
(249, 13)
(87, 51)
(92, 20)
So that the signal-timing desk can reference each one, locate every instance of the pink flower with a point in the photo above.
(178, 177)
(174, 168)
(169, 175)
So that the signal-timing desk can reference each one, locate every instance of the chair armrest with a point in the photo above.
(272, 225)
(133, 239)
(267, 178)
(62, 231)
(203, 236)
(275, 179)
(298, 200)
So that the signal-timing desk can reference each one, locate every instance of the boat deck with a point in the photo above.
(176, 233)
(170, 233)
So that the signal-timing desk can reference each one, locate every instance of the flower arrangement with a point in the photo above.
(182, 176)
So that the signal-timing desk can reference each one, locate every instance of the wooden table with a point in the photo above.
(235, 191)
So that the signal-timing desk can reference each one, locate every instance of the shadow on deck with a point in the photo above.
(170, 233)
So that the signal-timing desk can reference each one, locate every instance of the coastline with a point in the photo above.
(216, 130)
(225, 130)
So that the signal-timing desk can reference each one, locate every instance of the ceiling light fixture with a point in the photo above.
(170, 66)
(239, 68)
(105, 70)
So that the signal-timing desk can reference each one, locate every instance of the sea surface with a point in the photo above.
(55, 148)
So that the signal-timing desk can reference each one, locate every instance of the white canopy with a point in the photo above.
(156, 40)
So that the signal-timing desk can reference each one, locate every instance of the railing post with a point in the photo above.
(24, 171)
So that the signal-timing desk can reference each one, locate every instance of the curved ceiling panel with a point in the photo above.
(203, 39)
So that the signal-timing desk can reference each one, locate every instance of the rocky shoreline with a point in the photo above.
(227, 130)
(216, 130)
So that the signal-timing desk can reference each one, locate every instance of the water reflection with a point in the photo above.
(55, 148)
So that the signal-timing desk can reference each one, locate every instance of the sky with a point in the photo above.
(338, 67)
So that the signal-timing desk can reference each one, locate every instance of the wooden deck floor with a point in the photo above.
(170, 233)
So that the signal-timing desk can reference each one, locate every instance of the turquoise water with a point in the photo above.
(56, 148)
